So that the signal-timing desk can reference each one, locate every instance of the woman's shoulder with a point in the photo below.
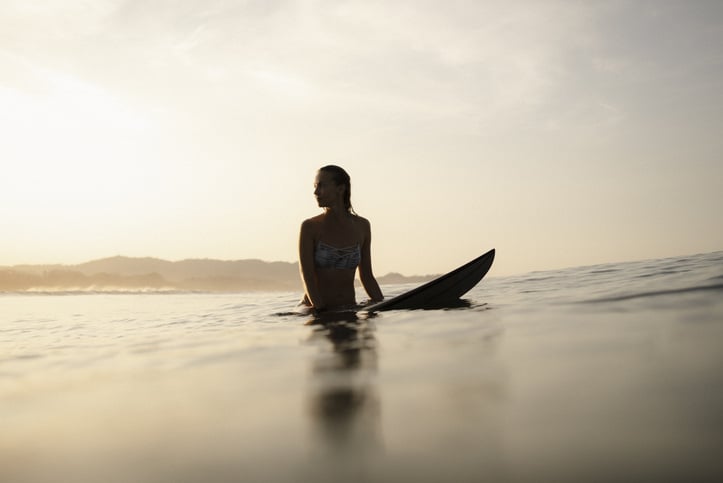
(311, 225)
(362, 222)
(314, 220)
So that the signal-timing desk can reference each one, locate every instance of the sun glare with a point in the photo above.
(74, 153)
(63, 134)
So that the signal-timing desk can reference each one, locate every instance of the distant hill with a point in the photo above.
(128, 273)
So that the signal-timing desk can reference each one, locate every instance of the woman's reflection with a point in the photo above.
(344, 403)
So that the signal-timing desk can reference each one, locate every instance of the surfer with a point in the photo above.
(333, 244)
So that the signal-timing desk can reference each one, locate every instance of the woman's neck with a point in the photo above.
(337, 213)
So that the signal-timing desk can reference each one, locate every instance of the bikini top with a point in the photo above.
(327, 256)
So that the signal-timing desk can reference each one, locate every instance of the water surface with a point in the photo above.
(590, 373)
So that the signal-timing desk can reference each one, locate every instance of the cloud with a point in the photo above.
(482, 67)
(487, 63)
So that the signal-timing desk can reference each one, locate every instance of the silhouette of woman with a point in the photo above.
(333, 244)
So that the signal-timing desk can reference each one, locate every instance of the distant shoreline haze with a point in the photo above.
(121, 273)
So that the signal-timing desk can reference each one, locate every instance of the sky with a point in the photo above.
(561, 133)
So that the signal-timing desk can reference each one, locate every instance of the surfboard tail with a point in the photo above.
(442, 291)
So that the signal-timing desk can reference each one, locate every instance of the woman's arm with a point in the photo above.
(365, 267)
(306, 266)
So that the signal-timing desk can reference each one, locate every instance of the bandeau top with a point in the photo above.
(327, 256)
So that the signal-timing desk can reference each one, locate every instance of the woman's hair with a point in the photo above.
(342, 178)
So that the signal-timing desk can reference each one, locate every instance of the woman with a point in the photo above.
(333, 244)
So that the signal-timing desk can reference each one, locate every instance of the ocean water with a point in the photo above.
(605, 373)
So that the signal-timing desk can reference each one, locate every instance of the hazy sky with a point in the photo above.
(562, 133)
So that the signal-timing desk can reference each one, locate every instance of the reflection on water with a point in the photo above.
(343, 401)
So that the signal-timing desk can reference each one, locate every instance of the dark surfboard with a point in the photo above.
(441, 292)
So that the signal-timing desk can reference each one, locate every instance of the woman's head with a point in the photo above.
(341, 179)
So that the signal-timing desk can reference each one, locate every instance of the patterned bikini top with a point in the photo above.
(327, 256)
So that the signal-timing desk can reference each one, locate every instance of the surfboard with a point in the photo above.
(441, 292)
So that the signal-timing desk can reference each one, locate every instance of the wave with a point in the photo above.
(657, 293)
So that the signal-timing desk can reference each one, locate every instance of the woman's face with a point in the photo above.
(326, 191)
